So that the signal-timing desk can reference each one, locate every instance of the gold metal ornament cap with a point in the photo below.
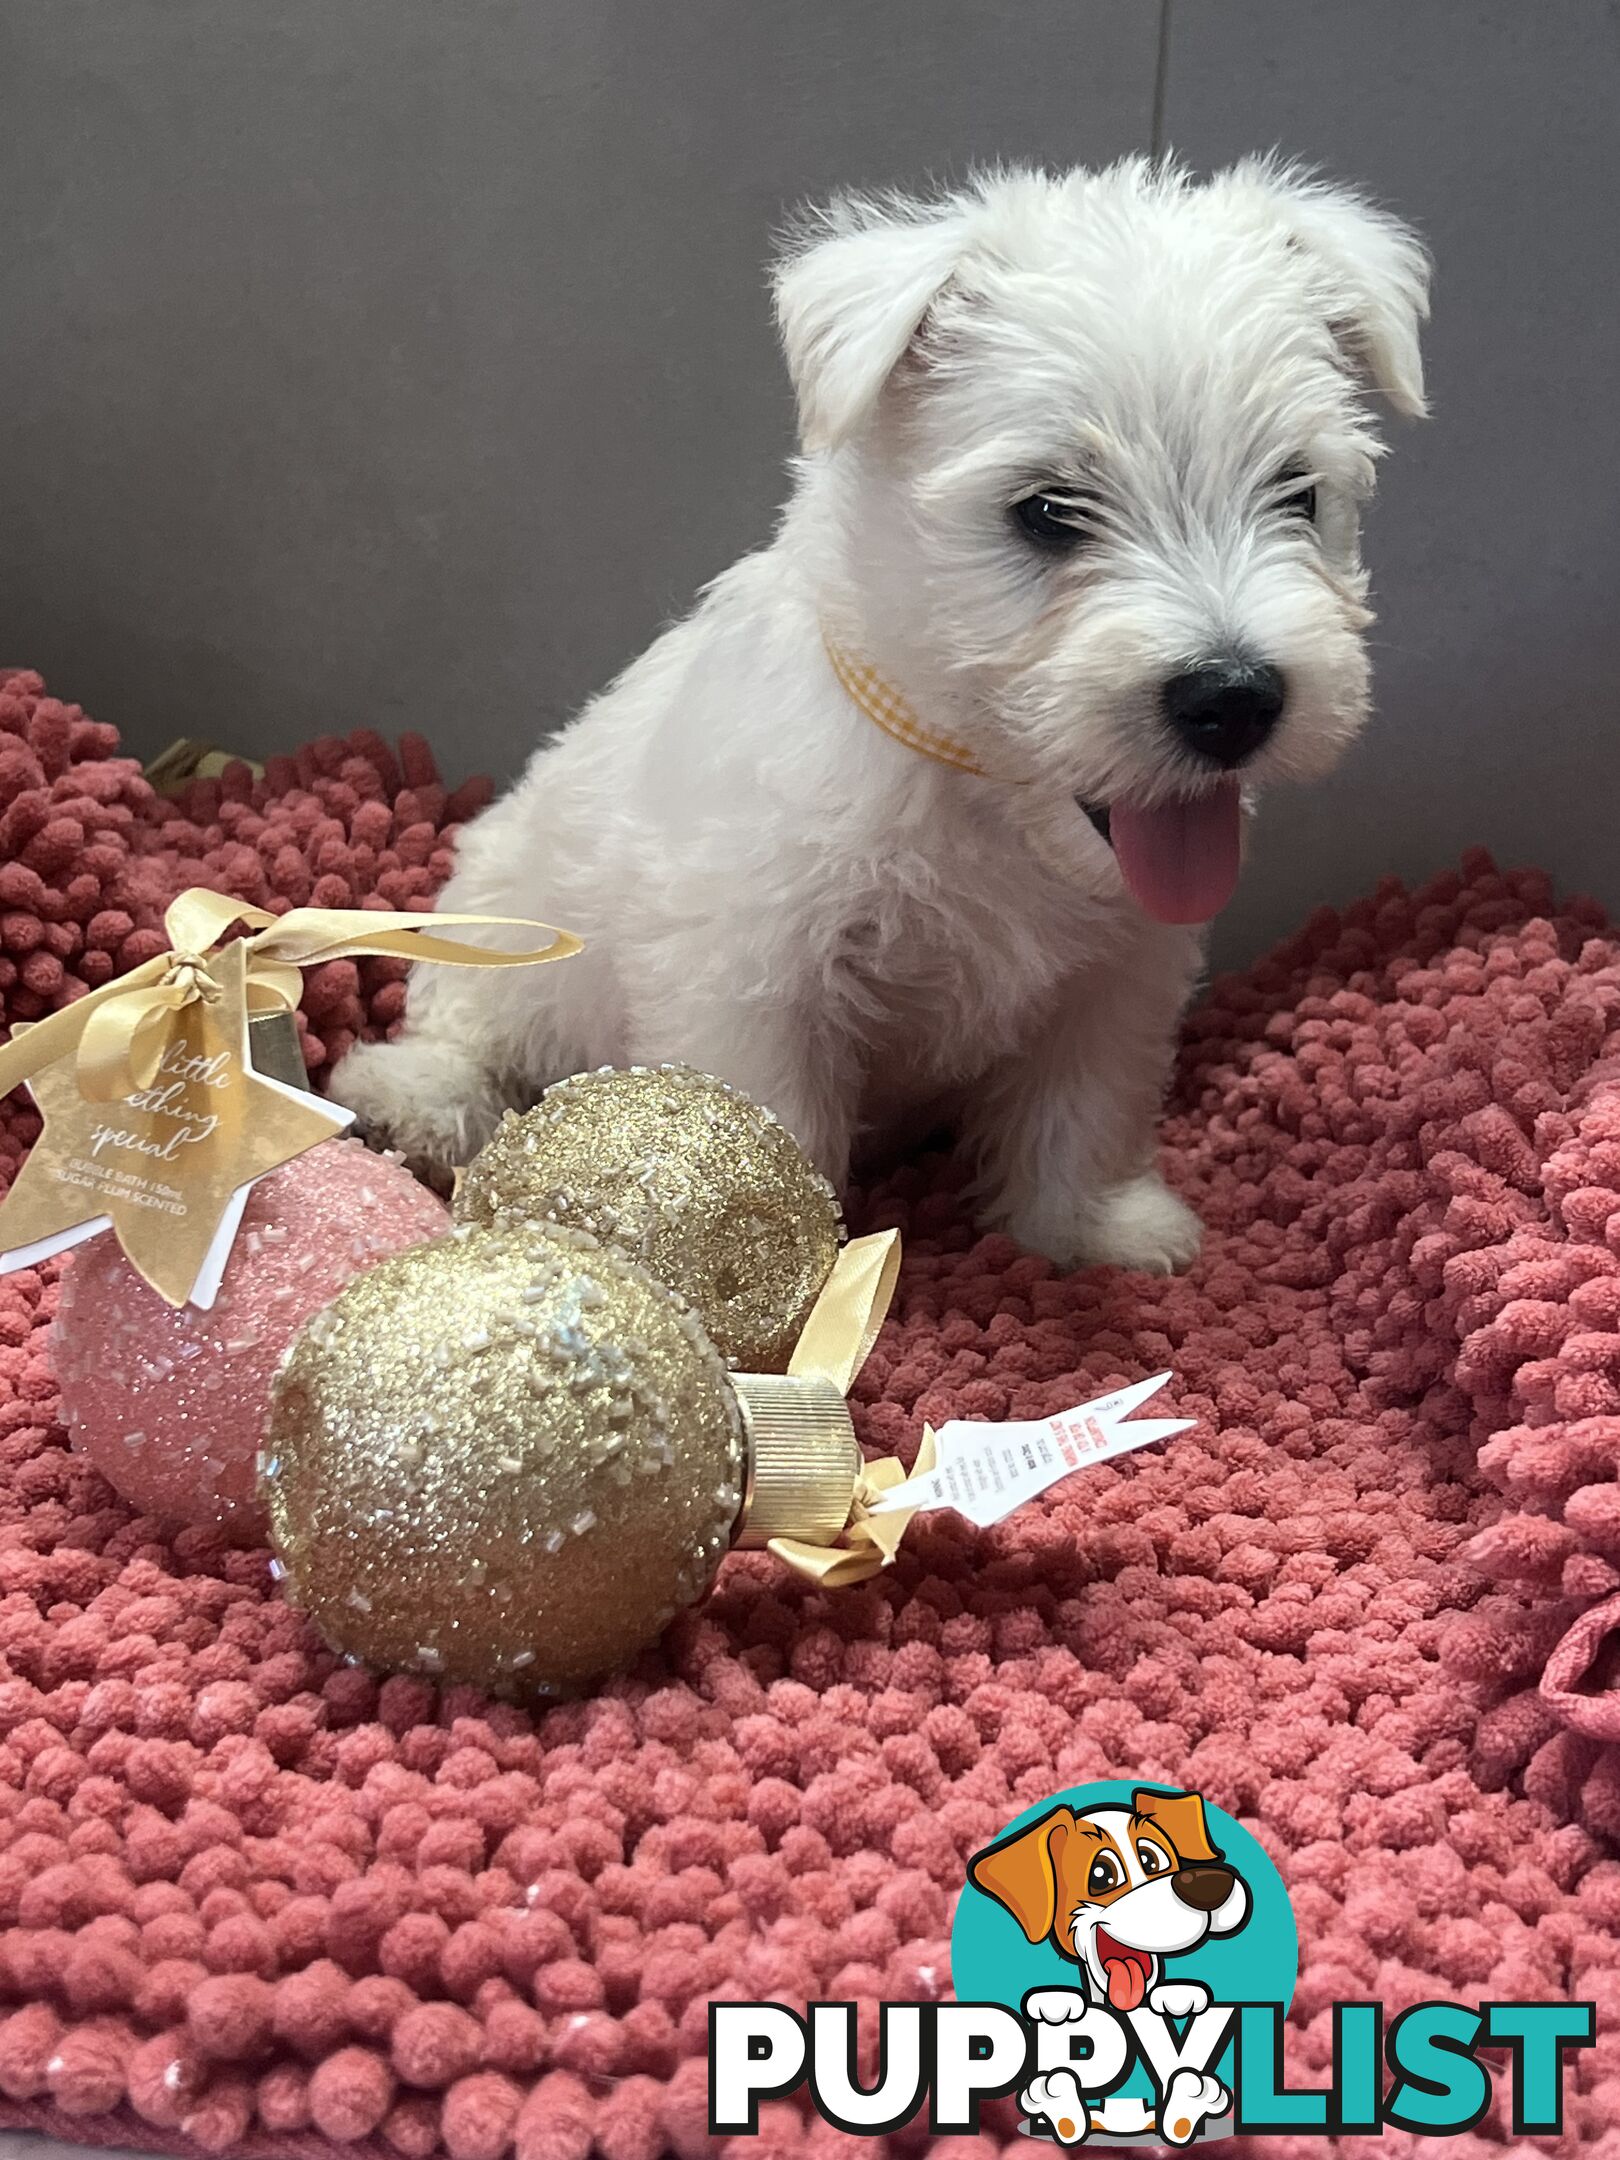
(688, 1176)
(274, 1049)
(803, 1460)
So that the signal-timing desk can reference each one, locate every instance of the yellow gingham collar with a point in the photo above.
(894, 713)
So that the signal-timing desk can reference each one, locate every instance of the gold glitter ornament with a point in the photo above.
(508, 1458)
(688, 1176)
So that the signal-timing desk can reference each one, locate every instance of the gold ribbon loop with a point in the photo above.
(837, 1339)
(846, 1318)
(121, 1041)
(117, 1034)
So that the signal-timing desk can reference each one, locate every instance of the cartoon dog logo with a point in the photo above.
(1119, 1890)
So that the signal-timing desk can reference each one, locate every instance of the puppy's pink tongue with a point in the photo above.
(1127, 1983)
(1180, 859)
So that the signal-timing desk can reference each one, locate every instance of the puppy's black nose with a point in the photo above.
(1225, 709)
(1205, 1889)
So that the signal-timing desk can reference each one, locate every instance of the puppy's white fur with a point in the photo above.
(775, 891)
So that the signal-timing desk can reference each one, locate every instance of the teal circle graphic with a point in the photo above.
(991, 1961)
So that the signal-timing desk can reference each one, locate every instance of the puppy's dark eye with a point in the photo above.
(1105, 1875)
(1055, 522)
(1153, 1861)
(1296, 496)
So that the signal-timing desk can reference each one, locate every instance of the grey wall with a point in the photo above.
(399, 362)
(1496, 545)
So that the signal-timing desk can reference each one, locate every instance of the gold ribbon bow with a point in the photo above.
(836, 1341)
(869, 1542)
(117, 1034)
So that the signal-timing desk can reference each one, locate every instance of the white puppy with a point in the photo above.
(925, 801)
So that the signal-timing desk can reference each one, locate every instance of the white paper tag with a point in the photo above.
(985, 1471)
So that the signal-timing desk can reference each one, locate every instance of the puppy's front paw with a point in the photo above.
(1057, 2099)
(1179, 1998)
(1191, 2099)
(431, 1100)
(1141, 1225)
(1055, 2006)
(1136, 1225)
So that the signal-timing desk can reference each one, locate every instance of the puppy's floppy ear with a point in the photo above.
(1022, 1872)
(1372, 273)
(851, 292)
(1181, 1817)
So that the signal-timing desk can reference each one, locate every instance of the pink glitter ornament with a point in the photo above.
(170, 1405)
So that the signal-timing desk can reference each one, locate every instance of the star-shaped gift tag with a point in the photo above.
(167, 1168)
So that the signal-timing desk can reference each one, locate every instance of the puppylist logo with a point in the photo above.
(1123, 1957)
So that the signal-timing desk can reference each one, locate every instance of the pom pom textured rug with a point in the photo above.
(255, 1901)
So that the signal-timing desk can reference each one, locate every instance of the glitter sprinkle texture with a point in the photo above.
(702, 1186)
(170, 1404)
(508, 1458)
